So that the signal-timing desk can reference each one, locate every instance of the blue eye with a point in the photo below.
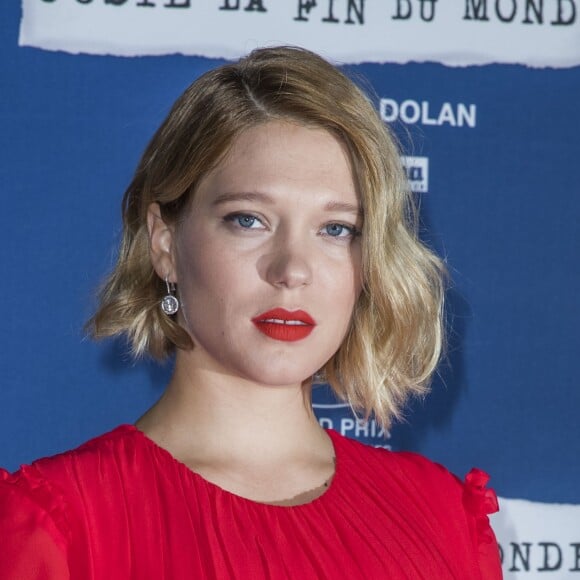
(244, 220)
(337, 230)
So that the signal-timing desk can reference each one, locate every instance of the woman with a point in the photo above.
(268, 237)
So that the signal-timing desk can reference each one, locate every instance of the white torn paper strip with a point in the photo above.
(452, 32)
(538, 540)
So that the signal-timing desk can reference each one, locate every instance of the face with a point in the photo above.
(267, 260)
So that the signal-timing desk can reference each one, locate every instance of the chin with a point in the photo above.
(287, 371)
(281, 377)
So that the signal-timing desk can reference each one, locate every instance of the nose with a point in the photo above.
(289, 265)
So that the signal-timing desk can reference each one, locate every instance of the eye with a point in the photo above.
(245, 221)
(338, 230)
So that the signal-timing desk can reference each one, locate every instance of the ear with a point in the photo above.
(161, 244)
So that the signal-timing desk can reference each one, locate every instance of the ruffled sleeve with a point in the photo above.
(33, 528)
(480, 501)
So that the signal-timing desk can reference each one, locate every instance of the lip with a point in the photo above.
(285, 325)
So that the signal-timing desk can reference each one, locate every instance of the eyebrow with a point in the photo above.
(228, 197)
(344, 207)
(243, 196)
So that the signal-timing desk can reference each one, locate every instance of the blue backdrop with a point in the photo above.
(501, 205)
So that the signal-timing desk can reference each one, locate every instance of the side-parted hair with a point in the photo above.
(395, 337)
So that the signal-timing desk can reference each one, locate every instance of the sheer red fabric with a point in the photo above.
(120, 507)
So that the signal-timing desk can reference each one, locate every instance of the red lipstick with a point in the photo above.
(281, 324)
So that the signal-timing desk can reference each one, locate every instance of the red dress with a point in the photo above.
(120, 507)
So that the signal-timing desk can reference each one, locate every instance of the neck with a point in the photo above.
(260, 442)
(205, 414)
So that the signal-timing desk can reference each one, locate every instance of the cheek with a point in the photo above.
(198, 260)
(355, 288)
(357, 271)
(341, 288)
(212, 278)
(352, 276)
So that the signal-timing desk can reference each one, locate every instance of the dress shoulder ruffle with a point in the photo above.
(479, 502)
(28, 485)
(33, 527)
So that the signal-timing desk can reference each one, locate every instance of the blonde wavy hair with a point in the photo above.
(395, 338)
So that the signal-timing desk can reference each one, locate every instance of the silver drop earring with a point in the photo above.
(169, 303)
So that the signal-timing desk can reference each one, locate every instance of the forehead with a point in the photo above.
(280, 157)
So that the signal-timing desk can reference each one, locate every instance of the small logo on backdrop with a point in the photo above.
(332, 414)
(413, 112)
(417, 169)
